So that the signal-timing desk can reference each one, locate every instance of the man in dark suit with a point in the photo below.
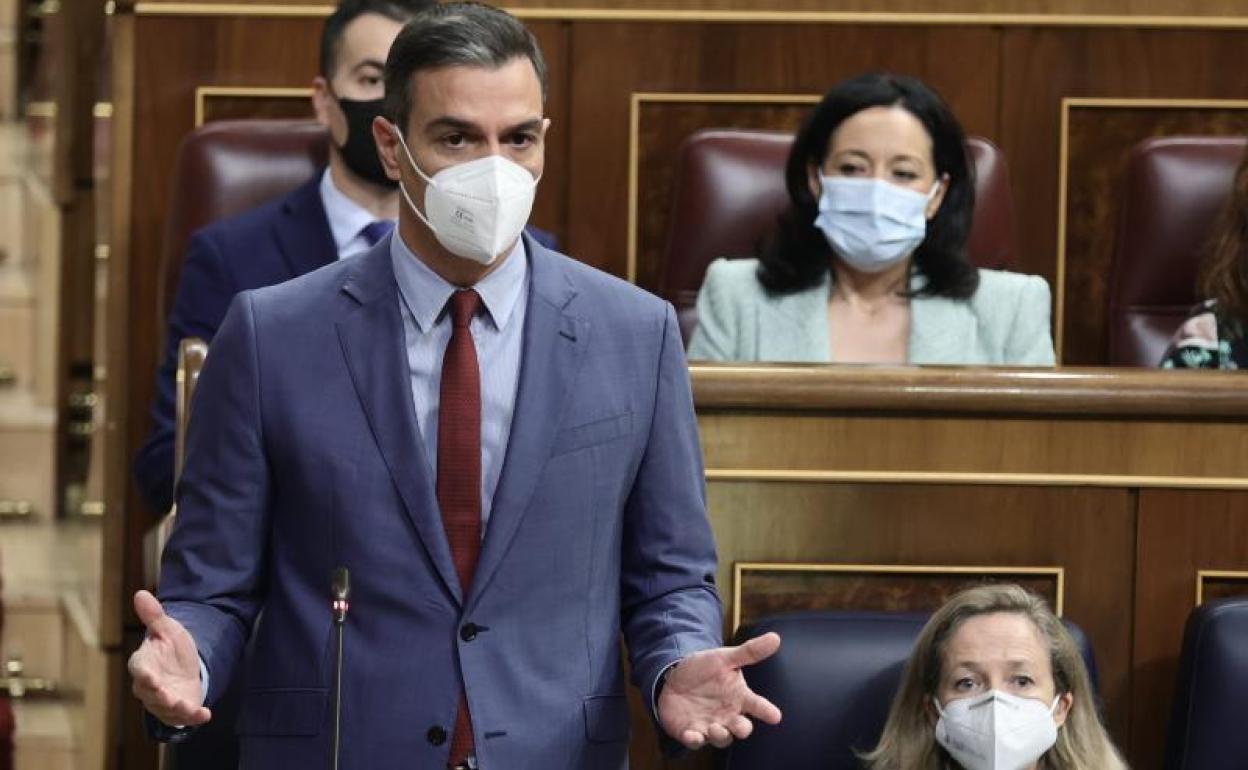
(498, 441)
(339, 213)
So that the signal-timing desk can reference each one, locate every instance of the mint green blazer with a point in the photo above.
(1005, 323)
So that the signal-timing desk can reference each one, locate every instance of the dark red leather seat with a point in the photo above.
(730, 189)
(230, 166)
(1175, 187)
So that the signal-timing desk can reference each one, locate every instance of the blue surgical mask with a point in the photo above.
(872, 224)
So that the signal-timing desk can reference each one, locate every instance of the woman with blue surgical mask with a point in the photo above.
(995, 682)
(868, 264)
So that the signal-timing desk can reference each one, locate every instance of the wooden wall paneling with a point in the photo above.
(662, 125)
(609, 66)
(245, 103)
(550, 208)
(762, 589)
(1212, 585)
(698, 8)
(1053, 451)
(1040, 67)
(173, 56)
(1090, 533)
(1099, 141)
(1180, 534)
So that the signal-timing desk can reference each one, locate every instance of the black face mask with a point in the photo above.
(359, 152)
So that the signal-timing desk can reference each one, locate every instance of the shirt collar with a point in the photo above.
(346, 217)
(426, 293)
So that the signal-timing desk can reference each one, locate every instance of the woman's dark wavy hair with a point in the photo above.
(1224, 274)
(796, 254)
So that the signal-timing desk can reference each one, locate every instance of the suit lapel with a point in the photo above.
(942, 331)
(553, 344)
(303, 233)
(373, 344)
(794, 327)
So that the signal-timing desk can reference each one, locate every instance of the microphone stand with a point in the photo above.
(341, 589)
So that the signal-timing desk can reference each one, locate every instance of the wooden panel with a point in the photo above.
(241, 105)
(1137, 8)
(1100, 139)
(1088, 532)
(1222, 584)
(760, 590)
(172, 57)
(975, 450)
(742, 59)
(1044, 66)
(1181, 533)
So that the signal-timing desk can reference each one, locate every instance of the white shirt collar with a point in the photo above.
(426, 293)
(346, 217)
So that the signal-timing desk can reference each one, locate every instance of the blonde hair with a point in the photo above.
(909, 738)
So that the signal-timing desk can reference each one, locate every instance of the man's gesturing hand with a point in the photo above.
(705, 698)
(166, 667)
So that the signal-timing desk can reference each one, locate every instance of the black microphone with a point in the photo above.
(340, 591)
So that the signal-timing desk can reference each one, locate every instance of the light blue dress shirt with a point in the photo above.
(347, 219)
(497, 332)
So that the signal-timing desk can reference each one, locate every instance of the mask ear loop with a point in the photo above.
(421, 174)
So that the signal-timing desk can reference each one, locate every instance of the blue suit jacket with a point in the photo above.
(304, 455)
(272, 243)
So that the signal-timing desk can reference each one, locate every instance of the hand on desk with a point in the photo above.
(166, 667)
(706, 700)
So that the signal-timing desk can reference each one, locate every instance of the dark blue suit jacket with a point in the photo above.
(268, 245)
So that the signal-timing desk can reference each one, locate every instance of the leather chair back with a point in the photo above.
(226, 167)
(1175, 187)
(730, 189)
(834, 679)
(1211, 704)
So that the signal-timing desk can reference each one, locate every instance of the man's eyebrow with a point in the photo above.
(468, 127)
(528, 125)
(374, 63)
(453, 124)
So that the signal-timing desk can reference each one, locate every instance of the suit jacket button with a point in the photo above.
(469, 631)
(436, 735)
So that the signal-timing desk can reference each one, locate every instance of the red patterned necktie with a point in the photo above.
(459, 468)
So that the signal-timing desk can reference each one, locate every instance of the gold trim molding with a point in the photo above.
(1063, 179)
(158, 8)
(204, 93)
(637, 99)
(974, 479)
(739, 568)
(1216, 574)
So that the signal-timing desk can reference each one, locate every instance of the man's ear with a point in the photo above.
(321, 100)
(388, 148)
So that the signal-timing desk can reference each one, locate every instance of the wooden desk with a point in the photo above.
(1121, 494)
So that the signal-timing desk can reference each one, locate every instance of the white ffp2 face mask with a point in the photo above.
(996, 731)
(870, 223)
(475, 209)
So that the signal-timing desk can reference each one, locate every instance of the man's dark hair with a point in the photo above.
(349, 10)
(455, 34)
(796, 255)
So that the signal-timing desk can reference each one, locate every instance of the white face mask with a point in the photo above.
(996, 731)
(475, 209)
(870, 223)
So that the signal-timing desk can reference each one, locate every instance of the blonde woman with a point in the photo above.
(995, 682)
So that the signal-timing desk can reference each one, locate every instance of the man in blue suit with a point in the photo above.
(339, 213)
(497, 441)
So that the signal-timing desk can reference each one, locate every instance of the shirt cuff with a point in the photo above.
(203, 688)
(658, 687)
